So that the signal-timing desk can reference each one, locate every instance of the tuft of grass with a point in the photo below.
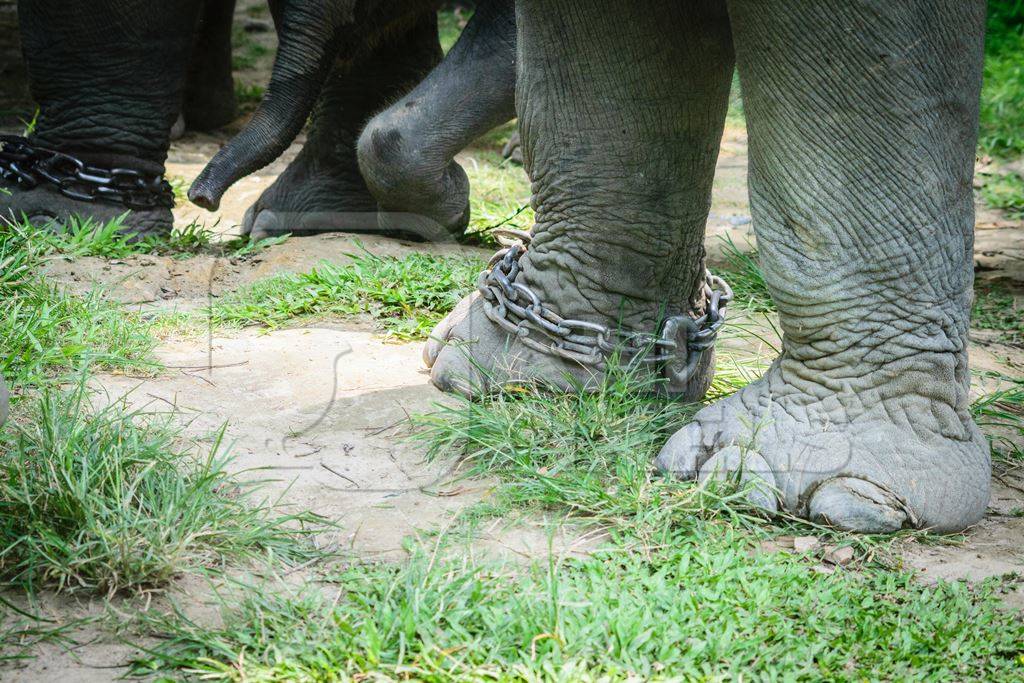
(1002, 95)
(706, 606)
(1001, 413)
(996, 309)
(46, 331)
(589, 453)
(105, 499)
(243, 246)
(1005, 192)
(79, 237)
(501, 195)
(406, 296)
(745, 277)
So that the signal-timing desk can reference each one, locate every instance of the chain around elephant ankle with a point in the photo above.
(29, 166)
(676, 350)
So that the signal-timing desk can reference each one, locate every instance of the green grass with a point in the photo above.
(1002, 97)
(680, 591)
(106, 498)
(21, 629)
(704, 606)
(743, 273)
(996, 309)
(501, 193)
(1001, 414)
(450, 22)
(246, 50)
(46, 331)
(79, 237)
(249, 96)
(588, 453)
(405, 296)
(1005, 192)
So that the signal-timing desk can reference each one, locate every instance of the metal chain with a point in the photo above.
(676, 349)
(28, 166)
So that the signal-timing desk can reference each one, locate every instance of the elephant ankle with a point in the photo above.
(593, 283)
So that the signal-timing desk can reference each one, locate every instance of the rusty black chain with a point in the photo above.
(675, 350)
(28, 166)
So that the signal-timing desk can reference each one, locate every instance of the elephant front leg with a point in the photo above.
(108, 81)
(210, 100)
(323, 189)
(621, 109)
(862, 120)
(407, 152)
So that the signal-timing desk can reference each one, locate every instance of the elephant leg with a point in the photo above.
(862, 121)
(621, 109)
(407, 152)
(15, 102)
(108, 79)
(210, 85)
(323, 189)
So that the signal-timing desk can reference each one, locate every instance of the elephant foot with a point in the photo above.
(44, 206)
(868, 460)
(475, 351)
(313, 197)
(468, 354)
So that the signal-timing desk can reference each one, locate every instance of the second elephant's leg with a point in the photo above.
(621, 108)
(323, 188)
(108, 79)
(862, 120)
(407, 151)
(210, 100)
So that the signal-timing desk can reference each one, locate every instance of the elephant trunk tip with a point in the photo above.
(206, 192)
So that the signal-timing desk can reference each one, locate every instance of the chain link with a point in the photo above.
(676, 350)
(28, 166)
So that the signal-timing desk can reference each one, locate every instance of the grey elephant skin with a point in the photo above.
(15, 101)
(391, 171)
(862, 120)
(110, 78)
(349, 58)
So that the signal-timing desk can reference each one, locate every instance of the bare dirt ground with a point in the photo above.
(320, 411)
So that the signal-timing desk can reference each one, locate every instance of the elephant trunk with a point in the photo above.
(308, 43)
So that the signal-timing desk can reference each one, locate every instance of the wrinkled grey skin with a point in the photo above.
(406, 153)
(862, 120)
(15, 102)
(109, 77)
(397, 175)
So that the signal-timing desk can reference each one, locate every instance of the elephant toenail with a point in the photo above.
(853, 504)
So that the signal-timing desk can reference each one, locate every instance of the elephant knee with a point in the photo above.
(394, 163)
